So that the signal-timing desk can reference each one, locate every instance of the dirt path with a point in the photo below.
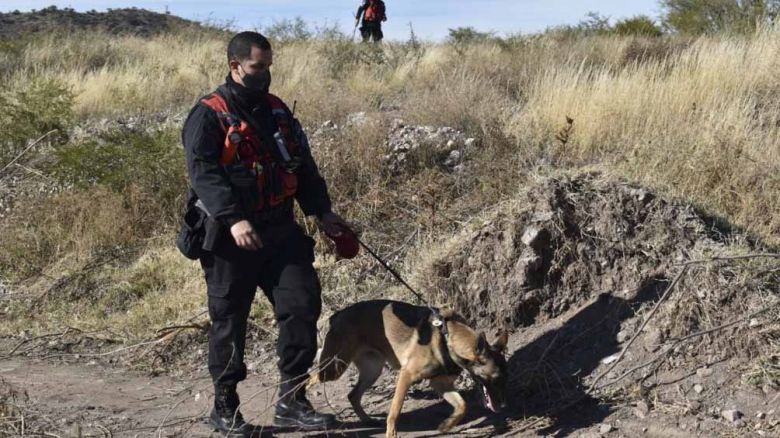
(96, 399)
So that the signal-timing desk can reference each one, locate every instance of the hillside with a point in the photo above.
(123, 21)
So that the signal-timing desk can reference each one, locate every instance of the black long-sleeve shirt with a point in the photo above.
(362, 8)
(203, 138)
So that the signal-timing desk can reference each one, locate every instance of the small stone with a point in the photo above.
(731, 415)
(754, 322)
(761, 415)
(469, 142)
(535, 237)
(609, 359)
(704, 372)
(453, 159)
(653, 339)
(622, 336)
(641, 410)
(698, 388)
(739, 423)
(605, 428)
(761, 433)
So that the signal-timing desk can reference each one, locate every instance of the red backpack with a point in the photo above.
(375, 11)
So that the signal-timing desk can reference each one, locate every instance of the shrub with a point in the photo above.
(710, 16)
(284, 31)
(638, 26)
(36, 107)
(467, 35)
(149, 163)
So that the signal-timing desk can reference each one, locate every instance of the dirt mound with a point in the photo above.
(564, 241)
(128, 21)
(575, 264)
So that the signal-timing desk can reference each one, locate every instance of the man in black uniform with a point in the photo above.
(248, 159)
(373, 14)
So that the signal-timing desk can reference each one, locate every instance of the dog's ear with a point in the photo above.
(447, 312)
(482, 343)
(502, 337)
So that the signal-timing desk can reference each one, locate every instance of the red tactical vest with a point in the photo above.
(375, 11)
(276, 178)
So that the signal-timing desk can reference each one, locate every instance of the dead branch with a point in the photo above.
(678, 341)
(25, 341)
(642, 327)
(27, 149)
(730, 258)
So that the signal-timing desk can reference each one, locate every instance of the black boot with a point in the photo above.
(225, 417)
(294, 410)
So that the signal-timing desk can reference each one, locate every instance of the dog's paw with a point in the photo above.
(446, 425)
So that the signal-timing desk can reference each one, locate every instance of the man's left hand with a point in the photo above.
(332, 224)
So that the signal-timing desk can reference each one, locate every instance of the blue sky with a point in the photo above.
(430, 18)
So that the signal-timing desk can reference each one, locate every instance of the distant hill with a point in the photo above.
(129, 21)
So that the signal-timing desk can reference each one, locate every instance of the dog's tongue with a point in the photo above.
(488, 399)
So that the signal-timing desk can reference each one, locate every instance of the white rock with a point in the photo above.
(453, 158)
(609, 359)
(731, 415)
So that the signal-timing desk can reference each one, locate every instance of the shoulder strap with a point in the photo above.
(219, 105)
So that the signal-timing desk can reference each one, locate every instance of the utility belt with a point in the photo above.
(200, 232)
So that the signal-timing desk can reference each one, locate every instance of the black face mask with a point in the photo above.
(260, 82)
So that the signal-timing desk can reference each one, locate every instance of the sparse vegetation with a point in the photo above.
(86, 240)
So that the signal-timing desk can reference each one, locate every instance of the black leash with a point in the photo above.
(438, 320)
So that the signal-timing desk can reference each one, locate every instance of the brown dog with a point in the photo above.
(423, 346)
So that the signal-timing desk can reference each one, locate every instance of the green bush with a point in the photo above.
(711, 16)
(288, 30)
(29, 111)
(468, 35)
(640, 25)
(149, 163)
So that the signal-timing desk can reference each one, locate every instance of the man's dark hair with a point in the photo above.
(240, 46)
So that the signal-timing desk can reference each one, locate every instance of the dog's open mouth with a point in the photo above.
(489, 402)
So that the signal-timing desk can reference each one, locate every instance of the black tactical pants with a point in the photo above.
(371, 30)
(283, 270)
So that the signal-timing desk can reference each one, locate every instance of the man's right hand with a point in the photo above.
(245, 236)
